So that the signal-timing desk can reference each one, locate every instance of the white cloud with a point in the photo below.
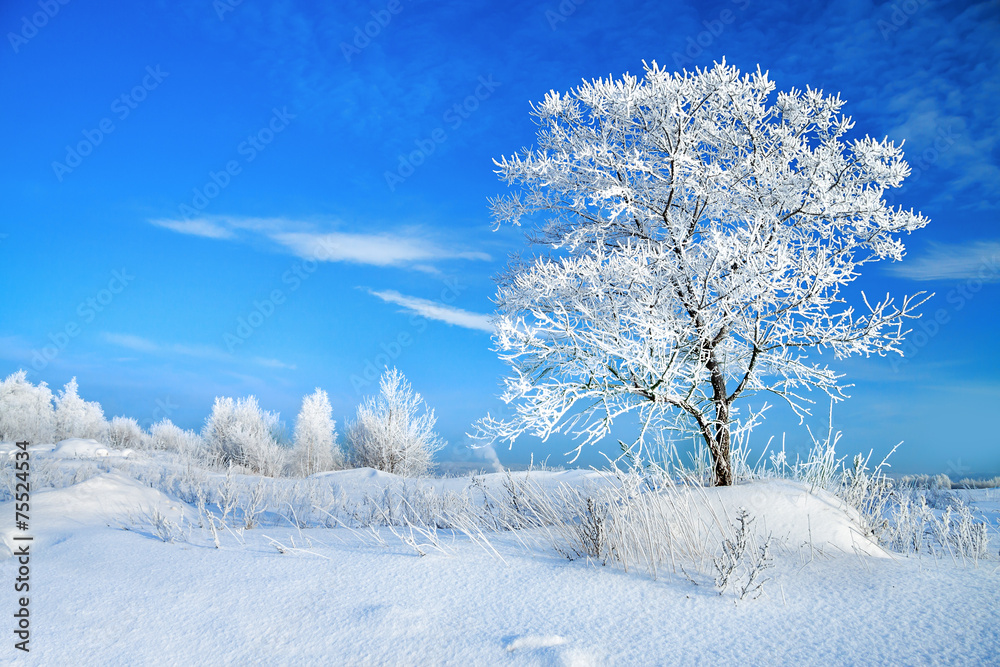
(273, 363)
(979, 260)
(374, 249)
(437, 311)
(205, 228)
(131, 342)
(208, 352)
(402, 249)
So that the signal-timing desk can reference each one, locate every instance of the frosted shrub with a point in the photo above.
(958, 531)
(77, 418)
(167, 436)
(968, 483)
(315, 448)
(937, 482)
(906, 530)
(240, 433)
(389, 434)
(631, 519)
(124, 433)
(26, 411)
(742, 562)
(870, 493)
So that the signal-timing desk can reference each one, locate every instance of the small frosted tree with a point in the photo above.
(699, 237)
(26, 412)
(240, 433)
(77, 418)
(315, 448)
(124, 433)
(394, 431)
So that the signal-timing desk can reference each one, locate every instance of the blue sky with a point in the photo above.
(169, 166)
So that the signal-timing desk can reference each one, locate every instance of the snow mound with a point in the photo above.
(106, 500)
(795, 515)
(11, 448)
(78, 448)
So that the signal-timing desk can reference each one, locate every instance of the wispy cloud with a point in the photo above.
(205, 228)
(206, 352)
(979, 260)
(273, 363)
(437, 311)
(131, 342)
(409, 248)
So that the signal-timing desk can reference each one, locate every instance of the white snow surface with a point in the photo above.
(11, 448)
(76, 448)
(83, 448)
(105, 590)
(795, 516)
(108, 500)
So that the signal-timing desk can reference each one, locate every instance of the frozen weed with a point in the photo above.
(743, 562)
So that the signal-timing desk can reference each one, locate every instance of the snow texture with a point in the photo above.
(110, 590)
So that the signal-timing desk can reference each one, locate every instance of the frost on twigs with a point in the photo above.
(77, 418)
(124, 433)
(742, 563)
(394, 431)
(699, 232)
(315, 449)
(240, 433)
(26, 411)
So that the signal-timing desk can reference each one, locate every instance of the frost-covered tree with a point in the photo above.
(26, 412)
(167, 436)
(394, 431)
(124, 433)
(77, 418)
(699, 235)
(240, 433)
(315, 448)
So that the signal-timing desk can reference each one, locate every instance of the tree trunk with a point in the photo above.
(720, 456)
(720, 446)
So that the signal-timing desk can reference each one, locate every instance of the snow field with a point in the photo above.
(147, 560)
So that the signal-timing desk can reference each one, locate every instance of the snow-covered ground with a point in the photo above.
(107, 589)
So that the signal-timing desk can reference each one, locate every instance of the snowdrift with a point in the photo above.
(10, 448)
(794, 514)
(76, 448)
(106, 500)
